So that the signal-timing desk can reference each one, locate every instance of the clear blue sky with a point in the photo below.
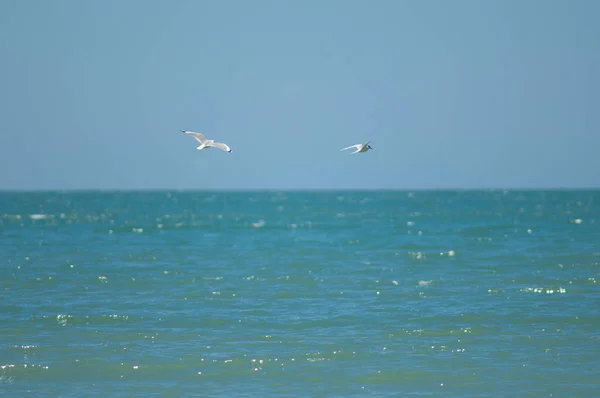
(452, 94)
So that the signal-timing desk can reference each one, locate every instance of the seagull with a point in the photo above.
(359, 148)
(206, 143)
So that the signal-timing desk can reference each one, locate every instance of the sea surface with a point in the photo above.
(250, 294)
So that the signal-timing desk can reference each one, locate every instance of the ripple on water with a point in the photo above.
(432, 293)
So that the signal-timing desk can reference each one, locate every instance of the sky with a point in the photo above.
(452, 94)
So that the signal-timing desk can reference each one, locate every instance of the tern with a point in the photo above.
(206, 143)
(359, 148)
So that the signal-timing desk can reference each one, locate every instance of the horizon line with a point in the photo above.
(82, 190)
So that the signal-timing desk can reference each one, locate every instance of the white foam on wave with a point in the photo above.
(417, 255)
(12, 216)
(259, 224)
(544, 290)
(40, 216)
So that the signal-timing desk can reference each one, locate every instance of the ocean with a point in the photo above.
(296, 293)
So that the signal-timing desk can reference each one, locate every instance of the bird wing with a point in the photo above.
(198, 136)
(220, 145)
(351, 146)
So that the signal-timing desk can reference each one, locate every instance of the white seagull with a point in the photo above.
(206, 143)
(359, 148)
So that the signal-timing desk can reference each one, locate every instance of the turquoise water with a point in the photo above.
(425, 293)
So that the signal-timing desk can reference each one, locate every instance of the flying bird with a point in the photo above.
(206, 143)
(359, 148)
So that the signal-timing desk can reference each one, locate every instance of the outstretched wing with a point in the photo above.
(220, 145)
(352, 146)
(198, 136)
